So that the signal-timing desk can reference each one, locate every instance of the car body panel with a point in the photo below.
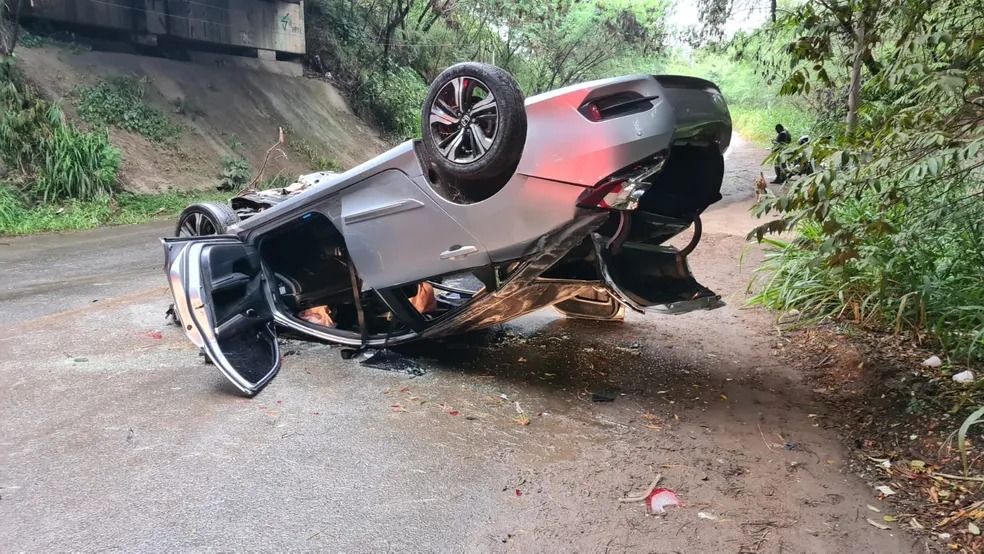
(375, 220)
(398, 228)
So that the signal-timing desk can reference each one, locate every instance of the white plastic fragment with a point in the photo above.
(705, 515)
(884, 489)
(964, 377)
(932, 361)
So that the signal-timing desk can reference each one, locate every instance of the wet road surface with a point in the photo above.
(115, 440)
(52, 273)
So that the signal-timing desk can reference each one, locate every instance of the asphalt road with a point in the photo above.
(116, 438)
(60, 272)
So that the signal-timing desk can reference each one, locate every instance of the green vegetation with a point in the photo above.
(236, 173)
(888, 232)
(56, 177)
(384, 53)
(121, 102)
(17, 218)
(317, 160)
(45, 158)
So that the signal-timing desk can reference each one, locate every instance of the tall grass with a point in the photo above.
(927, 277)
(17, 218)
(50, 159)
(76, 165)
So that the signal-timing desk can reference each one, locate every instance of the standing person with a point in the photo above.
(782, 139)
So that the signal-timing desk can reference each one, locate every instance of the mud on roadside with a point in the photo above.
(898, 419)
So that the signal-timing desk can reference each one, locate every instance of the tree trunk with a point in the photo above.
(772, 10)
(8, 37)
(854, 93)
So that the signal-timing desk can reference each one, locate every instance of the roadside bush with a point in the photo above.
(236, 173)
(11, 205)
(394, 99)
(51, 159)
(121, 102)
(76, 165)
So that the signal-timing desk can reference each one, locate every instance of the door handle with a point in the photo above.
(458, 251)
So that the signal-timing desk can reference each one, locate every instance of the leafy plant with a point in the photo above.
(889, 226)
(11, 204)
(235, 174)
(121, 102)
(76, 165)
(39, 148)
(394, 99)
(972, 419)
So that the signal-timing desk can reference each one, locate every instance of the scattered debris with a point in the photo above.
(604, 396)
(388, 360)
(964, 377)
(656, 499)
(705, 515)
(522, 360)
(932, 361)
(633, 349)
(873, 509)
(522, 419)
(874, 523)
(885, 490)
(156, 335)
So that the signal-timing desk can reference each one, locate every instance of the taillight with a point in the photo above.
(623, 190)
(596, 197)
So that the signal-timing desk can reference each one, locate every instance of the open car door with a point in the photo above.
(221, 299)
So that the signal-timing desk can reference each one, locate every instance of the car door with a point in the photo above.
(396, 234)
(222, 300)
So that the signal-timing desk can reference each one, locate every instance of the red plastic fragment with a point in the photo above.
(453, 412)
(155, 335)
(660, 498)
(519, 492)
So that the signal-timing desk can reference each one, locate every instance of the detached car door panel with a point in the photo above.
(222, 299)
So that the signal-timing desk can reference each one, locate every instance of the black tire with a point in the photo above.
(490, 134)
(205, 218)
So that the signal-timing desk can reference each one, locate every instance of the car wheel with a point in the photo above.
(474, 127)
(598, 305)
(205, 218)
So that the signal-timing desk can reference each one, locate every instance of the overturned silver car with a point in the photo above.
(505, 205)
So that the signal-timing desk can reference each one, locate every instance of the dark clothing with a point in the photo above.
(782, 139)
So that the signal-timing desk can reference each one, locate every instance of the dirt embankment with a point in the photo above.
(223, 110)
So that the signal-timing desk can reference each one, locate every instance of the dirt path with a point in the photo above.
(113, 439)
